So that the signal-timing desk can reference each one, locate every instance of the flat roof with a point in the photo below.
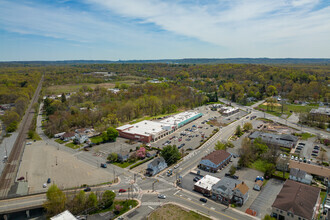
(145, 127)
(178, 118)
(207, 182)
(66, 215)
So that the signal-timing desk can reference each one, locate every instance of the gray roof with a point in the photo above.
(157, 161)
(226, 184)
(297, 173)
(284, 140)
(323, 111)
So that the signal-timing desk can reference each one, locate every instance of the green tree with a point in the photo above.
(220, 146)
(63, 98)
(10, 117)
(79, 202)
(238, 131)
(247, 126)
(55, 202)
(271, 90)
(269, 169)
(110, 135)
(232, 170)
(12, 127)
(92, 200)
(268, 217)
(113, 157)
(107, 198)
(170, 154)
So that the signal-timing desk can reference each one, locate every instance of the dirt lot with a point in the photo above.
(174, 212)
(274, 104)
(41, 161)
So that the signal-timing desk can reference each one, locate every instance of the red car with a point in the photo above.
(122, 190)
(21, 178)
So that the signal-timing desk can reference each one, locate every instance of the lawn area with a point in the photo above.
(280, 174)
(304, 136)
(259, 165)
(96, 139)
(277, 110)
(59, 141)
(323, 194)
(73, 146)
(36, 136)
(123, 165)
(124, 203)
(173, 212)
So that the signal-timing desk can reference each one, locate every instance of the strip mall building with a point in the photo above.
(148, 131)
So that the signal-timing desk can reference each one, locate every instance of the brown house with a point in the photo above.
(296, 201)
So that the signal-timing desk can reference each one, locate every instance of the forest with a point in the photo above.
(182, 86)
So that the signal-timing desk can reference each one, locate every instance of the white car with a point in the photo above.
(45, 185)
(296, 159)
(292, 157)
(28, 143)
(161, 196)
(176, 166)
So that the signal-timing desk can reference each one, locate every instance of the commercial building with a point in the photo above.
(227, 111)
(279, 140)
(147, 131)
(296, 201)
(223, 190)
(214, 161)
(205, 184)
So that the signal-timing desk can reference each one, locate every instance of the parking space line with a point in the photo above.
(151, 207)
(176, 192)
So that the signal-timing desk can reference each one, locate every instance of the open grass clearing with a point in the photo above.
(124, 164)
(174, 212)
(73, 146)
(287, 109)
(260, 165)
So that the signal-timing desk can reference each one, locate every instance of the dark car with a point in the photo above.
(207, 195)
(302, 144)
(315, 151)
(87, 189)
(227, 174)
(122, 190)
(316, 147)
(234, 177)
(196, 179)
(49, 180)
(103, 165)
(313, 154)
(21, 178)
(203, 200)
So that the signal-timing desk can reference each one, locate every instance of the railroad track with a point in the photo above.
(10, 171)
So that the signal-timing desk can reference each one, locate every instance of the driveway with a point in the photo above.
(264, 201)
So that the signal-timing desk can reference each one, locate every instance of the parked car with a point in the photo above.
(315, 151)
(196, 179)
(28, 143)
(176, 166)
(314, 154)
(317, 147)
(87, 189)
(122, 190)
(161, 196)
(203, 200)
(303, 144)
(44, 185)
(234, 177)
(21, 178)
(227, 174)
(103, 165)
(49, 180)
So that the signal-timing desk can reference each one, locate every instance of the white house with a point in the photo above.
(156, 166)
(300, 176)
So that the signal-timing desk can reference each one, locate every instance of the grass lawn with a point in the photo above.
(124, 203)
(36, 136)
(259, 165)
(73, 146)
(173, 212)
(304, 136)
(96, 139)
(123, 165)
(277, 110)
(59, 141)
(280, 174)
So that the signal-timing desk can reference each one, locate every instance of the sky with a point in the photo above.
(163, 29)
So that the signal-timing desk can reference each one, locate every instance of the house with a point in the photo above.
(321, 111)
(300, 176)
(214, 161)
(277, 140)
(80, 138)
(241, 193)
(315, 170)
(156, 166)
(205, 184)
(151, 153)
(67, 136)
(282, 163)
(296, 201)
(123, 156)
(58, 135)
(257, 186)
(223, 190)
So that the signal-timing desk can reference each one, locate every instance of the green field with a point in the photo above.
(277, 110)
(73, 146)
(96, 139)
(259, 165)
(124, 164)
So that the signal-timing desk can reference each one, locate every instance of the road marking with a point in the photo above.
(176, 192)
(189, 199)
(210, 209)
(151, 203)
(151, 207)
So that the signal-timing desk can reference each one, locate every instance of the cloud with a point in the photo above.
(229, 22)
